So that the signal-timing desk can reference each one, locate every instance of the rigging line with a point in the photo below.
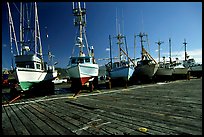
(123, 22)
(19, 12)
(147, 40)
(28, 22)
(179, 50)
(12, 30)
(87, 46)
(116, 23)
(74, 42)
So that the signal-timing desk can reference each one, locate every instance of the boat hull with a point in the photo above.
(147, 70)
(82, 73)
(196, 68)
(27, 78)
(180, 71)
(164, 72)
(124, 73)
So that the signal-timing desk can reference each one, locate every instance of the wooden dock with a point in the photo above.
(173, 108)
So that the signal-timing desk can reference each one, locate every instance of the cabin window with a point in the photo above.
(25, 65)
(81, 60)
(73, 61)
(87, 60)
(29, 66)
(38, 66)
(20, 65)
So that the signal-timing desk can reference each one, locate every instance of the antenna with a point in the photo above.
(185, 43)
(159, 43)
(116, 22)
(142, 21)
(123, 22)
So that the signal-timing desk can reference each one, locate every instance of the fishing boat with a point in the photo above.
(82, 68)
(195, 69)
(121, 69)
(164, 70)
(147, 66)
(31, 69)
(178, 68)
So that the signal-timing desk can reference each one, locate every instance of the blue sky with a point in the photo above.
(160, 20)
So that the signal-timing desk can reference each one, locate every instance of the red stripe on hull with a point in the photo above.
(84, 80)
(80, 81)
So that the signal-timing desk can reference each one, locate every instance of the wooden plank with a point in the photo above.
(162, 109)
(38, 121)
(124, 121)
(118, 108)
(83, 124)
(70, 120)
(173, 110)
(16, 123)
(30, 125)
(7, 127)
(90, 115)
(52, 121)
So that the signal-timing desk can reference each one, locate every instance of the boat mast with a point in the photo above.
(37, 36)
(159, 43)
(111, 60)
(48, 47)
(126, 46)
(12, 31)
(21, 27)
(141, 35)
(119, 37)
(170, 50)
(185, 49)
(80, 20)
(134, 46)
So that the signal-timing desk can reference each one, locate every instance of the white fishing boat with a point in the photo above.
(83, 67)
(195, 69)
(192, 65)
(30, 67)
(147, 66)
(179, 69)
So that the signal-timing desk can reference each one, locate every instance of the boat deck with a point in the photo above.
(173, 108)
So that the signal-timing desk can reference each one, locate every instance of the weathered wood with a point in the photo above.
(7, 127)
(174, 108)
(30, 125)
(89, 114)
(19, 127)
(67, 111)
(71, 121)
(54, 122)
(34, 117)
(144, 113)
